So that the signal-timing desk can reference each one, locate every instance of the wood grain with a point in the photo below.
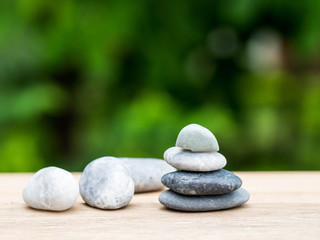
(283, 205)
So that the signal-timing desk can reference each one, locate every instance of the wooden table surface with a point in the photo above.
(283, 205)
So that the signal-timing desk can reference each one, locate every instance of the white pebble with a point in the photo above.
(105, 183)
(197, 139)
(52, 189)
(194, 162)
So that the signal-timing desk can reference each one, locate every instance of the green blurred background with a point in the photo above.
(84, 79)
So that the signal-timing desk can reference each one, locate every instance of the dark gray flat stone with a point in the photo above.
(181, 202)
(194, 183)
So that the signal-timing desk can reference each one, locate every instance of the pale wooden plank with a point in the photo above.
(283, 205)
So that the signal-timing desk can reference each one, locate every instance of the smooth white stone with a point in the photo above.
(51, 188)
(194, 162)
(147, 172)
(105, 183)
(197, 139)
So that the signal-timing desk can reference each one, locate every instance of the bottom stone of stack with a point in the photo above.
(181, 202)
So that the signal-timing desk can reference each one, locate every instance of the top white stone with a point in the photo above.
(196, 138)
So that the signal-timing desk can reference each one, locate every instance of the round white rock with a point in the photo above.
(52, 189)
(194, 162)
(105, 183)
(197, 139)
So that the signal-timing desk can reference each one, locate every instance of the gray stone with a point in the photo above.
(105, 183)
(147, 172)
(51, 188)
(181, 202)
(194, 162)
(197, 139)
(210, 183)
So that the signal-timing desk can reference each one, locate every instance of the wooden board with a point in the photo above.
(283, 205)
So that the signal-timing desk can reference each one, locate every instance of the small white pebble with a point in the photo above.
(51, 188)
(197, 139)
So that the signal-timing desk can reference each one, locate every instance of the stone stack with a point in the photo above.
(202, 184)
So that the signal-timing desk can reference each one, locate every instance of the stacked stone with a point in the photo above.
(202, 184)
